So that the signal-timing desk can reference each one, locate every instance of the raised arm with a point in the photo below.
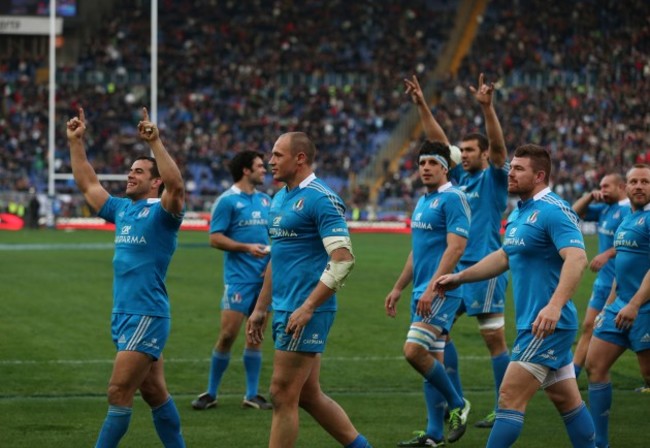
(581, 205)
(173, 197)
(83, 172)
(430, 125)
(498, 153)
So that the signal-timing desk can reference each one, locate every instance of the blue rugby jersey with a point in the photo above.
(632, 262)
(536, 231)
(487, 195)
(609, 217)
(244, 218)
(435, 215)
(145, 240)
(298, 221)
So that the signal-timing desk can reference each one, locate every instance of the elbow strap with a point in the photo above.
(335, 273)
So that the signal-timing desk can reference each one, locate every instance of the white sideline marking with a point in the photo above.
(17, 362)
(58, 246)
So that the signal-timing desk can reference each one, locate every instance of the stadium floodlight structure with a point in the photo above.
(153, 109)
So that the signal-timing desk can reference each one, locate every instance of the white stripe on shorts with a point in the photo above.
(143, 326)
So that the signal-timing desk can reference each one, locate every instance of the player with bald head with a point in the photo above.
(607, 205)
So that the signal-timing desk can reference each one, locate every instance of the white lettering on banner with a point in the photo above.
(29, 25)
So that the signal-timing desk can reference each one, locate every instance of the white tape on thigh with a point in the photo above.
(491, 323)
(426, 338)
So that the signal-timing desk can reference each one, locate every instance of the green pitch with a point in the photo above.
(56, 353)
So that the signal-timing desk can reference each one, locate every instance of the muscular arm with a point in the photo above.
(575, 261)
(220, 241)
(450, 257)
(582, 204)
(173, 197)
(497, 149)
(432, 129)
(390, 302)
(490, 266)
(626, 316)
(83, 172)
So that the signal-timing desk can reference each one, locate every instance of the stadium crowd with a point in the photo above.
(570, 76)
(231, 78)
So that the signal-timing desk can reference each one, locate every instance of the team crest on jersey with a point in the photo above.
(144, 213)
(435, 203)
(533, 216)
(299, 204)
(265, 202)
(640, 221)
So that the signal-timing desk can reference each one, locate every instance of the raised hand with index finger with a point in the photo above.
(483, 93)
(147, 130)
(76, 127)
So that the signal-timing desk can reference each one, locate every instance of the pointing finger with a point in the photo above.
(82, 116)
(145, 114)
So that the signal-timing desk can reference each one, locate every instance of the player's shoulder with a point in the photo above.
(556, 207)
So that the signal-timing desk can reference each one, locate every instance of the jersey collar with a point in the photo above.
(307, 180)
(444, 187)
(541, 194)
(625, 201)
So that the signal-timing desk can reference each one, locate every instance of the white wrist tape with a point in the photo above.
(336, 272)
(455, 154)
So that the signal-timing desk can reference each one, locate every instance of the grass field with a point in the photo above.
(56, 353)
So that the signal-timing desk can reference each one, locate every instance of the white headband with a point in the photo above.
(441, 160)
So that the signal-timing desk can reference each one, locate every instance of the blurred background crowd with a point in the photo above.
(572, 76)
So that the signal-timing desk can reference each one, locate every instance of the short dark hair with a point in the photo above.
(241, 160)
(300, 142)
(154, 171)
(435, 148)
(483, 142)
(540, 158)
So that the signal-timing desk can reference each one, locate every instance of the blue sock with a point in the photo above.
(359, 442)
(580, 427)
(435, 411)
(499, 366)
(451, 366)
(600, 402)
(114, 427)
(439, 379)
(577, 369)
(218, 366)
(506, 429)
(253, 366)
(168, 424)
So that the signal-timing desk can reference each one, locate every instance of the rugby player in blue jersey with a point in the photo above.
(311, 257)
(239, 228)
(607, 206)
(439, 226)
(146, 233)
(544, 250)
(624, 323)
(483, 176)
